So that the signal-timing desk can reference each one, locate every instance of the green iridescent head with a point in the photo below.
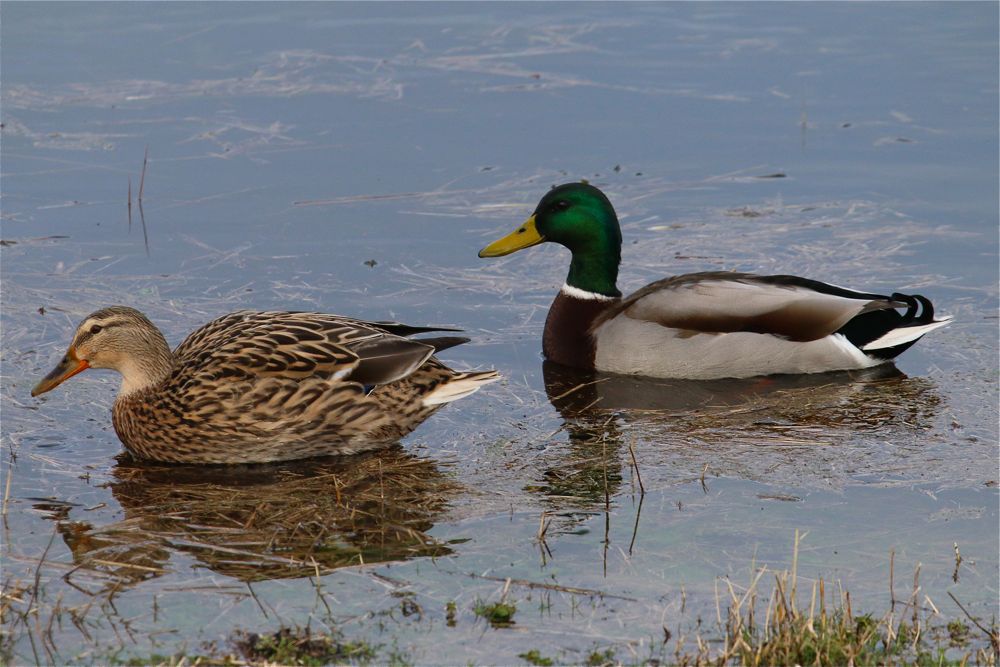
(579, 217)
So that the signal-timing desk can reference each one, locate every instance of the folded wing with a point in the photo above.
(789, 307)
(301, 345)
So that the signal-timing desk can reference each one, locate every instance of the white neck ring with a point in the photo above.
(578, 293)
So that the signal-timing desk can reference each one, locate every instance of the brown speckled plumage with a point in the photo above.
(265, 386)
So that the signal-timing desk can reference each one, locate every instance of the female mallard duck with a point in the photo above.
(701, 325)
(252, 387)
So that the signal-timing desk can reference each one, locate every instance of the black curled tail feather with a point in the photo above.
(915, 303)
(912, 306)
(927, 312)
(870, 326)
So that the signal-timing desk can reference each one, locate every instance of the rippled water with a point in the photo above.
(353, 158)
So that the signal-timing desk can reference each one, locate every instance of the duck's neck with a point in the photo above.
(595, 271)
(567, 339)
(142, 371)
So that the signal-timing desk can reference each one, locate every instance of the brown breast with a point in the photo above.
(567, 338)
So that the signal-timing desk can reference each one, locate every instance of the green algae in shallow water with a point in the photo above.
(301, 647)
(534, 657)
(601, 658)
(499, 614)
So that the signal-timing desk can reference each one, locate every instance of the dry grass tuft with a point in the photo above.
(785, 631)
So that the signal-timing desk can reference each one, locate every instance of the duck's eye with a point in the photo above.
(96, 329)
(561, 205)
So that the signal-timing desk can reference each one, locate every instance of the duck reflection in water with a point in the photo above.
(680, 424)
(263, 522)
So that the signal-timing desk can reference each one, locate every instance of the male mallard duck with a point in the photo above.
(701, 325)
(252, 387)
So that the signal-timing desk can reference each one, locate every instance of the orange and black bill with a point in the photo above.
(67, 368)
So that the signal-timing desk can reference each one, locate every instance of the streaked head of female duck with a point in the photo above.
(579, 217)
(119, 338)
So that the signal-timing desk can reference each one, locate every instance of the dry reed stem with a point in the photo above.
(635, 526)
(6, 489)
(129, 204)
(573, 590)
(142, 175)
(145, 233)
(142, 214)
(577, 388)
(718, 610)
(543, 526)
(993, 635)
(635, 466)
(795, 572)
(892, 587)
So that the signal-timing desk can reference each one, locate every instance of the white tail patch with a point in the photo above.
(459, 388)
(904, 335)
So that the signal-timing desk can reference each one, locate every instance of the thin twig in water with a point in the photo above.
(318, 585)
(34, 598)
(10, 471)
(130, 203)
(635, 465)
(607, 502)
(576, 388)
(553, 587)
(704, 487)
(142, 186)
(142, 175)
(635, 527)
(543, 527)
(386, 197)
(993, 635)
(254, 596)
(38, 570)
(145, 235)
(914, 599)
(795, 568)
(892, 588)
(131, 566)
(954, 575)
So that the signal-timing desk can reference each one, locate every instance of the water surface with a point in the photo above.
(291, 144)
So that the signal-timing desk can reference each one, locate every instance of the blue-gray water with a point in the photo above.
(289, 144)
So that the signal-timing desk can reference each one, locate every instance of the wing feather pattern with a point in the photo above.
(301, 345)
(789, 307)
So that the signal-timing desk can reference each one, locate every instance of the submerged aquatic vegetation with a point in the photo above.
(499, 614)
(600, 658)
(290, 646)
(534, 657)
(780, 633)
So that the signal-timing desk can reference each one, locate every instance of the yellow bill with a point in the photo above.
(524, 236)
